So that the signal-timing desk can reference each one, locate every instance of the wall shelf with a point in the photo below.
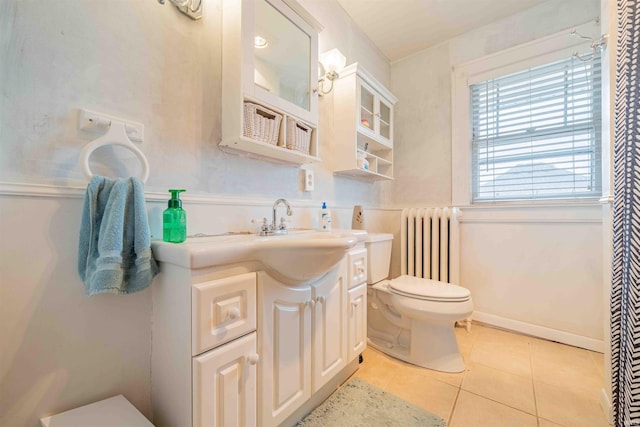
(274, 152)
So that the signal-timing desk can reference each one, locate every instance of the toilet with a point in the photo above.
(412, 318)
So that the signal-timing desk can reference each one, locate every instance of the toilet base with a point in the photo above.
(445, 356)
(420, 351)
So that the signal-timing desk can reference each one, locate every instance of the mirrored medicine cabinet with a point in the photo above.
(269, 74)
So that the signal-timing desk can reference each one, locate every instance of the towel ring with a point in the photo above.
(116, 135)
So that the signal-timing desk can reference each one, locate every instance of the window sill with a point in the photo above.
(510, 204)
(566, 211)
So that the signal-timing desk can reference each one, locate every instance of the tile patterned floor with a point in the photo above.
(510, 380)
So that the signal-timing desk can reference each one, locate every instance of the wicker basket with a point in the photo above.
(298, 136)
(261, 123)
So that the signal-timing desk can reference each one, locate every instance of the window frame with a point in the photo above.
(519, 58)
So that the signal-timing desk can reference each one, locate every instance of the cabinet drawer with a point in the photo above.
(357, 267)
(222, 310)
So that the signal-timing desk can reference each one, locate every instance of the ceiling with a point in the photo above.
(402, 27)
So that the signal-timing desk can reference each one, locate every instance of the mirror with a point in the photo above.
(282, 56)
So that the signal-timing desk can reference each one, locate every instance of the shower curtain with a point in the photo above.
(625, 286)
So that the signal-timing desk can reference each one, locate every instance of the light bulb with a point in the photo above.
(260, 42)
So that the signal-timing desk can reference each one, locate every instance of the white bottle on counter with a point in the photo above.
(325, 218)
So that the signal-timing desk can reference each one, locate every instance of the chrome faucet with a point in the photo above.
(282, 228)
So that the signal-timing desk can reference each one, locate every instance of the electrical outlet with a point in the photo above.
(309, 180)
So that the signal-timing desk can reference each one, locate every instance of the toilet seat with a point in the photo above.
(428, 290)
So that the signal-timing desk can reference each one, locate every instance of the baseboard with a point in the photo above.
(606, 406)
(540, 331)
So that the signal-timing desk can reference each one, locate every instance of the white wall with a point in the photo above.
(142, 61)
(59, 348)
(536, 269)
(539, 270)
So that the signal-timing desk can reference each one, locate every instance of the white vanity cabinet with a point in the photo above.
(303, 337)
(234, 346)
(270, 75)
(363, 125)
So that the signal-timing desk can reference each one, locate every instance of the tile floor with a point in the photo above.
(510, 380)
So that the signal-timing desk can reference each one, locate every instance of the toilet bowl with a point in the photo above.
(412, 318)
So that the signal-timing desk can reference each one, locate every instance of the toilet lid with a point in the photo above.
(430, 290)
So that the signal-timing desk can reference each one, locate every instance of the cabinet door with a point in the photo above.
(329, 326)
(367, 109)
(357, 321)
(384, 116)
(224, 385)
(284, 341)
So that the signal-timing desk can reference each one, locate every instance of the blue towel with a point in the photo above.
(114, 253)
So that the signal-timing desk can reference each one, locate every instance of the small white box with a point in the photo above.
(116, 411)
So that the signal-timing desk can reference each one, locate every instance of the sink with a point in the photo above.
(294, 258)
(301, 257)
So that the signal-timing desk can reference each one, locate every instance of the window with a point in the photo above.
(536, 134)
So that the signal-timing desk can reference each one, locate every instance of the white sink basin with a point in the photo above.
(298, 258)
(294, 258)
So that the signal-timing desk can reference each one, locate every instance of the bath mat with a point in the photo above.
(358, 403)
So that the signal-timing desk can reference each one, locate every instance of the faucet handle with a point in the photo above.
(264, 225)
(283, 224)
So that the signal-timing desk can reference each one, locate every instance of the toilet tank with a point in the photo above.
(378, 256)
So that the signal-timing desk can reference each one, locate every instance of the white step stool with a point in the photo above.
(113, 412)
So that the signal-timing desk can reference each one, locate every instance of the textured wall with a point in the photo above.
(141, 61)
(144, 62)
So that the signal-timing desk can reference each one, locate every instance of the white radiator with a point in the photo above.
(430, 243)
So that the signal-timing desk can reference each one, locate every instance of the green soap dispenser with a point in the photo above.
(174, 220)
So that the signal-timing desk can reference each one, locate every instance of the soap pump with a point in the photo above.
(174, 220)
(325, 218)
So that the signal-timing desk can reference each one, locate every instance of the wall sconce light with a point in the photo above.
(191, 8)
(331, 62)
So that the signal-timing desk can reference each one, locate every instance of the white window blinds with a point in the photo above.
(536, 133)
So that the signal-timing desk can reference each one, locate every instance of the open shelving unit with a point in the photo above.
(363, 125)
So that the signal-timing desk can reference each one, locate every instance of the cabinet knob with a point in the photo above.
(321, 299)
(311, 303)
(252, 359)
(233, 313)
